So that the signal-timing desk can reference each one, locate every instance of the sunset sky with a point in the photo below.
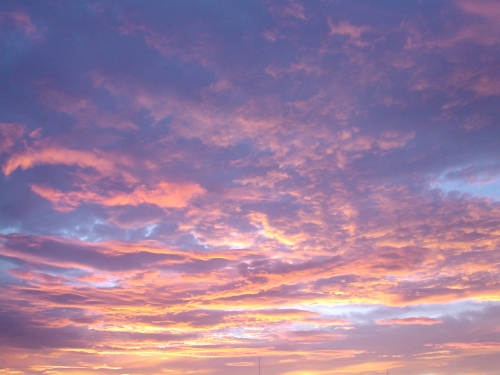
(189, 185)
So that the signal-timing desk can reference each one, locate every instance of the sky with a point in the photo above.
(187, 186)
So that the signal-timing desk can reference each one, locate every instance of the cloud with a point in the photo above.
(485, 8)
(11, 133)
(240, 364)
(22, 21)
(345, 28)
(56, 155)
(187, 184)
(164, 195)
(472, 345)
(412, 320)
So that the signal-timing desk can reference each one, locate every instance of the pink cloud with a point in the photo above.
(56, 155)
(240, 364)
(352, 31)
(23, 21)
(486, 345)
(164, 195)
(489, 9)
(295, 9)
(10, 133)
(87, 113)
(238, 196)
(412, 320)
(393, 139)
(345, 28)
(289, 8)
(487, 86)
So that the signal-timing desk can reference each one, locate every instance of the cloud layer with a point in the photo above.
(189, 186)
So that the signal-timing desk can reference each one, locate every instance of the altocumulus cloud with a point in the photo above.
(188, 186)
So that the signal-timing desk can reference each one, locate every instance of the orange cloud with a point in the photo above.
(57, 155)
(164, 194)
